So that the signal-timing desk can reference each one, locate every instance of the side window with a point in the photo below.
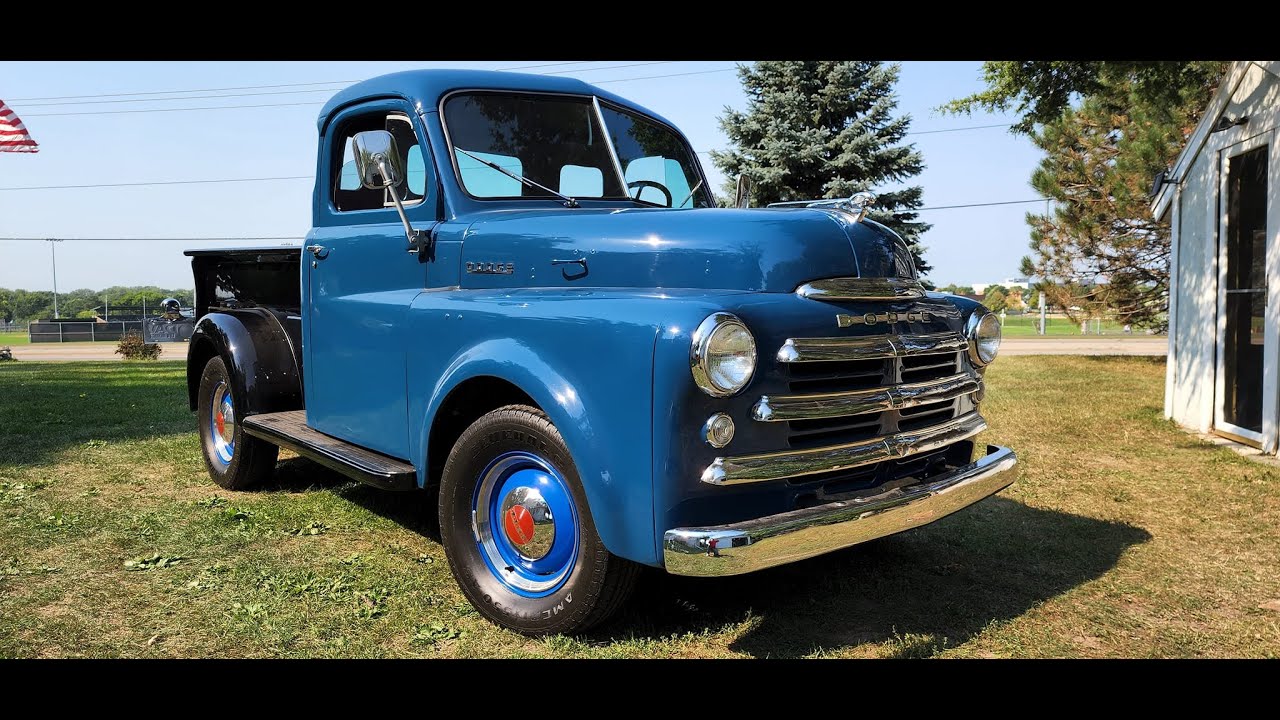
(349, 195)
(655, 161)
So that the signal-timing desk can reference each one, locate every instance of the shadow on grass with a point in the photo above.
(414, 511)
(46, 408)
(923, 591)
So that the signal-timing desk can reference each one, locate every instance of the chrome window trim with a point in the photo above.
(852, 288)
(698, 353)
(779, 408)
(869, 347)
(337, 145)
(764, 467)
(608, 138)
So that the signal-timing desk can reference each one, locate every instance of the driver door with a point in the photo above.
(359, 279)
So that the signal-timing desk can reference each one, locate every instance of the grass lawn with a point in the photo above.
(1123, 537)
(14, 338)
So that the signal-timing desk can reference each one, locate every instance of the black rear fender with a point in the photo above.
(264, 360)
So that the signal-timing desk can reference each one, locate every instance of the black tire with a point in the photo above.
(253, 460)
(599, 582)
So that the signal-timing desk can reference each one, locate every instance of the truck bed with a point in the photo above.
(247, 277)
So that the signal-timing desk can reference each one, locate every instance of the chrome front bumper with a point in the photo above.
(787, 537)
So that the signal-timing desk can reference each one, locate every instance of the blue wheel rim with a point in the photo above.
(222, 424)
(530, 564)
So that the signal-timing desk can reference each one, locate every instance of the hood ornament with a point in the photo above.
(856, 204)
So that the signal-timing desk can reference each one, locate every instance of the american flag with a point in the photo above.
(13, 134)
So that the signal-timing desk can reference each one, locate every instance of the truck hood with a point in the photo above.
(767, 249)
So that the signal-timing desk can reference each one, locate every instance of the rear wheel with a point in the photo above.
(235, 461)
(517, 531)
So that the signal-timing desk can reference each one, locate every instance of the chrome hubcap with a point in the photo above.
(223, 424)
(527, 521)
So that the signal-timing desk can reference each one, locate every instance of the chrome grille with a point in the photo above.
(845, 389)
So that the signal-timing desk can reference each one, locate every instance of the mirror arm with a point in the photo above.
(419, 240)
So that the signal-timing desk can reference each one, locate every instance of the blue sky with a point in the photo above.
(965, 245)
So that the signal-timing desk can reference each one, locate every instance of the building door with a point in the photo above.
(1242, 293)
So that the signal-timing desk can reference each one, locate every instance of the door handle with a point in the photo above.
(320, 251)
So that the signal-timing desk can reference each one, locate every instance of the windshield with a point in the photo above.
(556, 141)
(553, 141)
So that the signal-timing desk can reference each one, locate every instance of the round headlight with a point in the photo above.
(723, 356)
(984, 338)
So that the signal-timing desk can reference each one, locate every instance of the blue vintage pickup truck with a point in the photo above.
(520, 296)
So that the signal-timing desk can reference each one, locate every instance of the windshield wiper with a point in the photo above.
(691, 192)
(568, 201)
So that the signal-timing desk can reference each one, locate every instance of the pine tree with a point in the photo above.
(826, 129)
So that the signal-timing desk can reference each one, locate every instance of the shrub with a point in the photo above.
(132, 347)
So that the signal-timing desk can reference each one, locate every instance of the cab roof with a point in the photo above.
(424, 88)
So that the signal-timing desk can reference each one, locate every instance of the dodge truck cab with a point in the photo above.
(519, 295)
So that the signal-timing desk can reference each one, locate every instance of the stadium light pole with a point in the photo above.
(53, 253)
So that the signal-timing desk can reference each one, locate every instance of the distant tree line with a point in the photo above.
(998, 297)
(23, 306)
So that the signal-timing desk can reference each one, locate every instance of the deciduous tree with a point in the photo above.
(1106, 128)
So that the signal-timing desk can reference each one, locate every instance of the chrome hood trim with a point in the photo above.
(853, 288)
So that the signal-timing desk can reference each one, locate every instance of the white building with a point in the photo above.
(1224, 313)
(981, 288)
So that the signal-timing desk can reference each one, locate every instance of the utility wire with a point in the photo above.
(159, 182)
(259, 87)
(927, 132)
(338, 86)
(986, 204)
(970, 127)
(309, 177)
(294, 238)
(160, 110)
(314, 103)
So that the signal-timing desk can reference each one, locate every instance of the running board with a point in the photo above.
(289, 429)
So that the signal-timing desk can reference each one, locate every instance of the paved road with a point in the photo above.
(1097, 345)
(88, 351)
(1012, 346)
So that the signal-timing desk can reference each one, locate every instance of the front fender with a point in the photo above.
(585, 358)
(265, 367)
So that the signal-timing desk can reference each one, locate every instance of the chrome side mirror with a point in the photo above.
(742, 198)
(377, 159)
(380, 167)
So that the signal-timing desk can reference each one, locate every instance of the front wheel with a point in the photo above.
(235, 460)
(516, 528)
